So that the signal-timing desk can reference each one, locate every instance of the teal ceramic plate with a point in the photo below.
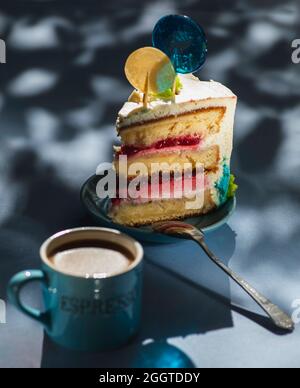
(98, 209)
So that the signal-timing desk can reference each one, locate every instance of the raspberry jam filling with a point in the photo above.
(184, 141)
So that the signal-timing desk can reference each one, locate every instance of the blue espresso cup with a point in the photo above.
(87, 313)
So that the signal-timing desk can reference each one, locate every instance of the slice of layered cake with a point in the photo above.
(190, 129)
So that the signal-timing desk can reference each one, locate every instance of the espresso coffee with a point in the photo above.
(95, 260)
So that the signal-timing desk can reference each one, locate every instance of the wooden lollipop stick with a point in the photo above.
(174, 87)
(146, 92)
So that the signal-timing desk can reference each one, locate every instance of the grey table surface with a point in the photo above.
(57, 111)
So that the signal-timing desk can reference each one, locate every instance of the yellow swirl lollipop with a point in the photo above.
(150, 71)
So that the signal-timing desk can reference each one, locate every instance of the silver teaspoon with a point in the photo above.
(187, 231)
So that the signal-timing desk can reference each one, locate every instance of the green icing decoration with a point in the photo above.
(168, 94)
(178, 85)
(232, 188)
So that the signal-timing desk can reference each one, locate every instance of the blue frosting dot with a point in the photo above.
(183, 40)
(223, 184)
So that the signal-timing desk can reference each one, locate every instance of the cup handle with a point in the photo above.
(15, 286)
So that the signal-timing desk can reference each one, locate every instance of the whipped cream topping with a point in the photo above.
(195, 94)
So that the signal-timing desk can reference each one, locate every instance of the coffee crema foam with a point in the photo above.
(91, 262)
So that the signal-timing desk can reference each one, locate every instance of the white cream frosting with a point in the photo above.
(195, 94)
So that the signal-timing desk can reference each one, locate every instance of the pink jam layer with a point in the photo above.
(171, 143)
(161, 188)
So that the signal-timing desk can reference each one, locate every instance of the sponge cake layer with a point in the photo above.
(164, 160)
(146, 213)
(201, 123)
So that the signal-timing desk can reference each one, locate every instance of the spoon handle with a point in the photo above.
(280, 318)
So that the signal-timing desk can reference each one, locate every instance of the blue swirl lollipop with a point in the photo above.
(182, 40)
